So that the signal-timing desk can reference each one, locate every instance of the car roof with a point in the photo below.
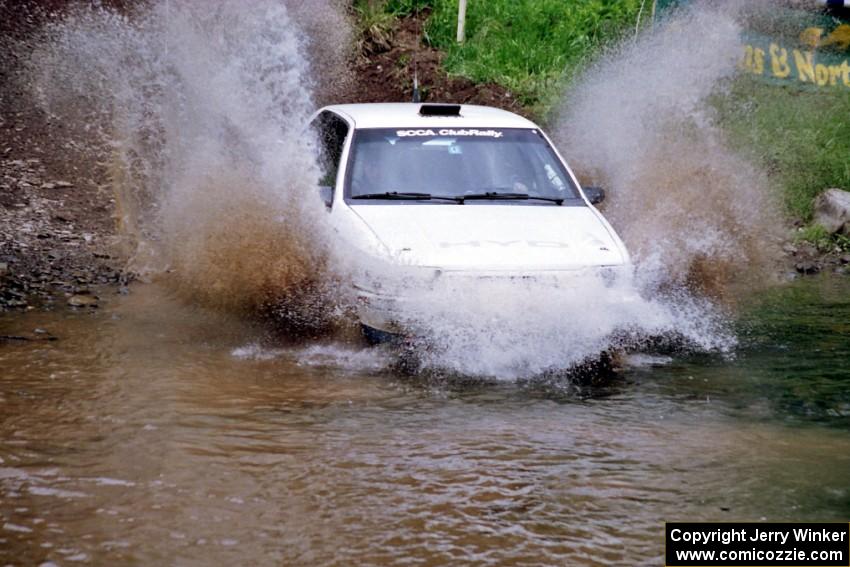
(406, 115)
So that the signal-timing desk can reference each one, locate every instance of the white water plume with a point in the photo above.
(639, 121)
(511, 329)
(200, 111)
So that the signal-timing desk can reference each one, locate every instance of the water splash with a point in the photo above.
(353, 360)
(512, 329)
(692, 211)
(200, 112)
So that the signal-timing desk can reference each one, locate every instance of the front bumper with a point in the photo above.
(390, 307)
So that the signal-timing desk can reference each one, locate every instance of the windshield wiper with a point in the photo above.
(408, 196)
(496, 196)
(392, 195)
(489, 195)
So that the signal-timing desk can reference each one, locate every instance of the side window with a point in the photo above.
(331, 131)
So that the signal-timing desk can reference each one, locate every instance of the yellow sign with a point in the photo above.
(808, 65)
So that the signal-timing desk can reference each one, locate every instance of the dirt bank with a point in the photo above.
(383, 67)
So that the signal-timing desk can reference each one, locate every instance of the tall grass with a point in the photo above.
(801, 137)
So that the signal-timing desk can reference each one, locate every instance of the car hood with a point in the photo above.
(492, 236)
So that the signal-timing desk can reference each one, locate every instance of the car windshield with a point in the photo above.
(446, 162)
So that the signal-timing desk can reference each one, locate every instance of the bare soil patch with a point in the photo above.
(383, 71)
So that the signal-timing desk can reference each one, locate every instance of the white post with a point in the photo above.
(640, 13)
(461, 21)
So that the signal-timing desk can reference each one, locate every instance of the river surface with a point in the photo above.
(153, 433)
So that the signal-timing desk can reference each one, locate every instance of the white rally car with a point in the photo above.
(436, 191)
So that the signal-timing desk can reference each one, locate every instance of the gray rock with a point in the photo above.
(807, 267)
(832, 211)
(82, 301)
(806, 251)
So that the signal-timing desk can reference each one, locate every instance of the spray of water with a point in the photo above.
(640, 122)
(512, 329)
(328, 35)
(200, 112)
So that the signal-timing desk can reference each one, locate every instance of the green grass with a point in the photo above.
(801, 137)
(823, 241)
(527, 46)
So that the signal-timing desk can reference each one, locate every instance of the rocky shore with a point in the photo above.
(55, 237)
(806, 259)
(832, 217)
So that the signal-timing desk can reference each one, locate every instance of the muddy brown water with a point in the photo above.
(152, 433)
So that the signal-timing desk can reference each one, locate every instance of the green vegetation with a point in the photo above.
(373, 22)
(823, 241)
(527, 46)
(802, 138)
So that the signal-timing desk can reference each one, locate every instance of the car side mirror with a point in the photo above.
(594, 194)
(326, 192)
